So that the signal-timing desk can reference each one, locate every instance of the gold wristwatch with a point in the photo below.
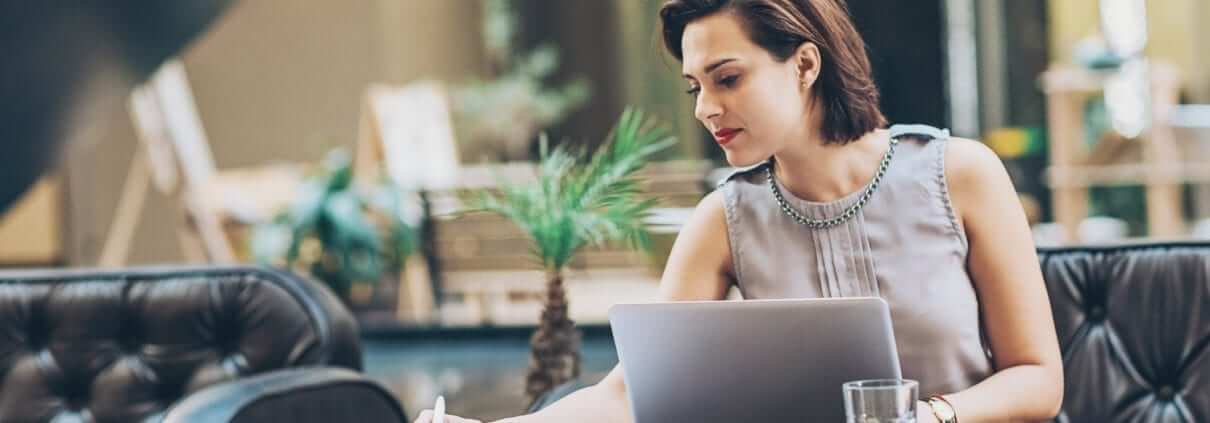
(942, 410)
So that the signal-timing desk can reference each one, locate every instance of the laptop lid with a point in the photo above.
(780, 360)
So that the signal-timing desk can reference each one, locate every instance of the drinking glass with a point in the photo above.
(881, 401)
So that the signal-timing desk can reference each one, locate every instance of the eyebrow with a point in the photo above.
(711, 67)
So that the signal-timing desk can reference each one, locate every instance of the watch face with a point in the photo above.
(942, 410)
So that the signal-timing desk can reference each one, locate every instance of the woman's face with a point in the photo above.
(751, 103)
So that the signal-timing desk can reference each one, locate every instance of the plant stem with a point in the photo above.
(555, 346)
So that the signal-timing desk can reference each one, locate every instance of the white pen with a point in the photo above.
(439, 410)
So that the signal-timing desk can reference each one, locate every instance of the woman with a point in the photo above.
(827, 205)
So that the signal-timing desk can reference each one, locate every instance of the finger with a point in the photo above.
(426, 416)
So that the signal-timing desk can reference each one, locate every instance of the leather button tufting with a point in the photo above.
(1096, 313)
(125, 345)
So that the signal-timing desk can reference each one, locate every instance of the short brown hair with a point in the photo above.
(845, 85)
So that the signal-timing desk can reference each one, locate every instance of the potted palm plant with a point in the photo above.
(578, 200)
(339, 231)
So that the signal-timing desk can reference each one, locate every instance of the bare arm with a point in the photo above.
(1028, 383)
(699, 268)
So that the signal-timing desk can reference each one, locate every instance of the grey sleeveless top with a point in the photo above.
(904, 246)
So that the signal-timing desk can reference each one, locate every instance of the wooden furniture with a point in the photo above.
(174, 154)
(31, 231)
(405, 135)
(1159, 165)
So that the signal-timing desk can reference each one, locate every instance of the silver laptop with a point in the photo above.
(754, 360)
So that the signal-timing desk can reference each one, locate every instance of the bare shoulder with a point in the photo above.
(711, 207)
(707, 226)
(967, 158)
(699, 265)
(975, 175)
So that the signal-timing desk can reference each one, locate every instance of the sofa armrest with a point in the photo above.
(299, 395)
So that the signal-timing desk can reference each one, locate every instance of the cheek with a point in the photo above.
(774, 108)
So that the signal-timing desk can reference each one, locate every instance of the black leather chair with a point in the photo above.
(127, 346)
(1134, 327)
(180, 345)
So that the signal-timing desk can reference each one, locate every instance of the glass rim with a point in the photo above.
(874, 384)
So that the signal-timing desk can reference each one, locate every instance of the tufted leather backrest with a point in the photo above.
(123, 346)
(1134, 327)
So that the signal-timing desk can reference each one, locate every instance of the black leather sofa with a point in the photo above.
(180, 345)
(1134, 327)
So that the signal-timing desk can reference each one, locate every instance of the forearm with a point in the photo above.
(589, 405)
(1025, 393)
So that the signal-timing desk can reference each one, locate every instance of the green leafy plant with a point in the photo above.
(578, 200)
(499, 116)
(338, 231)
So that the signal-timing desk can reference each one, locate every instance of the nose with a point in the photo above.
(707, 107)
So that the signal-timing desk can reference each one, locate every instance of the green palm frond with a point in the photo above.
(582, 199)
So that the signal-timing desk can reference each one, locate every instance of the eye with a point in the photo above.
(693, 91)
(728, 81)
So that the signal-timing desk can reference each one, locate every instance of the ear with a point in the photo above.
(807, 62)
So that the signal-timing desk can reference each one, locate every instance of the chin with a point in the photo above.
(742, 158)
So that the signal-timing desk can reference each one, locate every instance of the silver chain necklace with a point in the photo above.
(849, 211)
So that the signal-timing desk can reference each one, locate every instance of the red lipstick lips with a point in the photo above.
(725, 135)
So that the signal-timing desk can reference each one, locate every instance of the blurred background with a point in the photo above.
(342, 139)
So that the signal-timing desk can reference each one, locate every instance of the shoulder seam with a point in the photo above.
(946, 201)
(741, 171)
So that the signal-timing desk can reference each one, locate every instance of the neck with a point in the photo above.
(817, 171)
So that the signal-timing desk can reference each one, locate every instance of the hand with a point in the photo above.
(427, 417)
(924, 413)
